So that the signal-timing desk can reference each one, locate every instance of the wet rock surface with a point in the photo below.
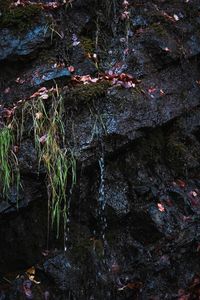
(133, 230)
(16, 47)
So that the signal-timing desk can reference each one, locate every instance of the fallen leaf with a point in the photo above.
(125, 3)
(7, 90)
(161, 207)
(181, 183)
(71, 69)
(19, 80)
(167, 49)
(176, 18)
(162, 93)
(44, 96)
(167, 16)
(125, 15)
(151, 90)
(43, 139)
(45, 252)
(39, 115)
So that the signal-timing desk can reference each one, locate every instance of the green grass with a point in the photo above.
(9, 168)
(53, 153)
(41, 119)
(6, 142)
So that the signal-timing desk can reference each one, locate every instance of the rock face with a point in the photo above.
(17, 47)
(133, 229)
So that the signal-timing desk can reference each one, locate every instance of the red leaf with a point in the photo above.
(19, 80)
(151, 90)
(43, 139)
(161, 207)
(181, 183)
(8, 113)
(7, 90)
(71, 69)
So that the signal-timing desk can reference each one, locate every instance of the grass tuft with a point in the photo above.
(53, 153)
(9, 169)
(6, 142)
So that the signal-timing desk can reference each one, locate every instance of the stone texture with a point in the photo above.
(145, 243)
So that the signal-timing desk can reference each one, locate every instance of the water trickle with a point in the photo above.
(102, 199)
(67, 222)
(102, 185)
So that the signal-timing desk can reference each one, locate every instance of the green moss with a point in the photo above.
(87, 93)
(19, 18)
(137, 94)
(84, 247)
(88, 44)
(4, 5)
(159, 29)
(176, 150)
(176, 153)
(150, 148)
(184, 93)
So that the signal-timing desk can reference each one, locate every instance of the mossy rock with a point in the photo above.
(88, 92)
(177, 150)
(87, 44)
(137, 94)
(18, 18)
(159, 29)
(150, 148)
(176, 153)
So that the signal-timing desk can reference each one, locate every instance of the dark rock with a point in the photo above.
(82, 64)
(117, 199)
(2, 295)
(18, 47)
(48, 75)
(141, 190)
(132, 226)
(116, 194)
(139, 21)
(27, 157)
(63, 272)
(27, 211)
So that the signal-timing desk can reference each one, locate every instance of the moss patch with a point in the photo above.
(176, 154)
(88, 44)
(151, 147)
(19, 18)
(87, 93)
(159, 29)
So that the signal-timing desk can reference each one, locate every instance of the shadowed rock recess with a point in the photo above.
(132, 229)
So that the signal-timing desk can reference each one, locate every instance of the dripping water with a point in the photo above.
(66, 235)
(67, 221)
(102, 198)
